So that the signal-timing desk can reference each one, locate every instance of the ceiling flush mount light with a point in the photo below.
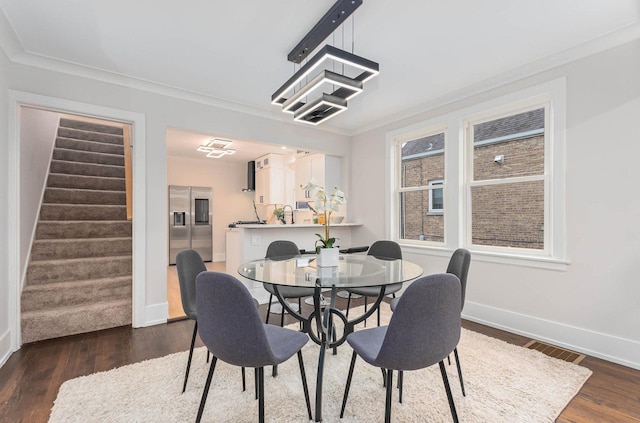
(316, 91)
(216, 148)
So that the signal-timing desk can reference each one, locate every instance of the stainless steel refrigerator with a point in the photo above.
(190, 223)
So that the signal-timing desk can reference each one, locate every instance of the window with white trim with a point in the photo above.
(498, 167)
(420, 188)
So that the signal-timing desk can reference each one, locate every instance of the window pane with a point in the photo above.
(416, 222)
(509, 146)
(508, 215)
(422, 161)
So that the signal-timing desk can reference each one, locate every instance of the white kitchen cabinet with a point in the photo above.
(326, 170)
(270, 183)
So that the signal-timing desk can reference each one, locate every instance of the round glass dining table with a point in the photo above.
(353, 270)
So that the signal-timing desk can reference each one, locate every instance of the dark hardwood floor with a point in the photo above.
(30, 379)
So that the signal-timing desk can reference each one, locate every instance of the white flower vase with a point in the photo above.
(328, 257)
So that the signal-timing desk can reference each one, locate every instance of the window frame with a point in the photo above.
(433, 183)
(456, 191)
(398, 141)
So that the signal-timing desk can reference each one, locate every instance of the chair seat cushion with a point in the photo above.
(289, 291)
(284, 342)
(374, 291)
(367, 343)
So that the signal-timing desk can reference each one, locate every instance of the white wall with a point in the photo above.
(160, 112)
(227, 179)
(37, 135)
(593, 306)
(5, 309)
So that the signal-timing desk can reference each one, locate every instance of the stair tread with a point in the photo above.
(66, 309)
(72, 150)
(97, 191)
(63, 284)
(86, 176)
(71, 240)
(84, 259)
(85, 163)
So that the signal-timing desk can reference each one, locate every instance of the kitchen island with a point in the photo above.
(249, 242)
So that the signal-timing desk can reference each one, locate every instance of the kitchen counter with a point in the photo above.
(295, 225)
(248, 242)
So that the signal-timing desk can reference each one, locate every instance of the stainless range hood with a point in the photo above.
(251, 177)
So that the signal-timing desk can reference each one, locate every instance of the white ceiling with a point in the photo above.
(235, 51)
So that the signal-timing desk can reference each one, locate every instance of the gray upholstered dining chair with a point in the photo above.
(280, 250)
(385, 250)
(240, 338)
(423, 330)
(189, 265)
(459, 266)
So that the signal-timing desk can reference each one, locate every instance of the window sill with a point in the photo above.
(491, 257)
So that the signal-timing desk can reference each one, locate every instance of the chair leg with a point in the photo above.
(206, 388)
(379, 315)
(244, 381)
(384, 377)
(455, 354)
(447, 388)
(255, 381)
(266, 321)
(346, 388)
(274, 371)
(193, 342)
(348, 305)
(365, 309)
(208, 352)
(261, 395)
(400, 379)
(282, 317)
(387, 402)
(303, 375)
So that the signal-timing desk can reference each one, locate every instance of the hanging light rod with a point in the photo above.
(340, 11)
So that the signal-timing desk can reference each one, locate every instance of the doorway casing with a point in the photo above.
(19, 99)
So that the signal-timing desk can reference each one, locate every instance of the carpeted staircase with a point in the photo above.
(79, 277)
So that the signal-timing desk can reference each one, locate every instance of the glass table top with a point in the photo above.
(353, 270)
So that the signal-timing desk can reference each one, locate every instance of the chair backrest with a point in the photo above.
(189, 264)
(385, 249)
(229, 323)
(459, 266)
(282, 250)
(425, 325)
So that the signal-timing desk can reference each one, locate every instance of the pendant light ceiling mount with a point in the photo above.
(316, 91)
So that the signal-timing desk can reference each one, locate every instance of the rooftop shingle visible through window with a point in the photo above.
(423, 146)
(510, 125)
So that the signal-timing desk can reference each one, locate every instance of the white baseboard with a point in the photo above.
(5, 347)
(155, 314)
(607, 347)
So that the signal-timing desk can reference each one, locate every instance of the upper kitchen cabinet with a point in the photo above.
(270, 181)
(326, 170)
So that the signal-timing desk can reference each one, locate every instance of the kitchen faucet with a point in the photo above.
(287, 205)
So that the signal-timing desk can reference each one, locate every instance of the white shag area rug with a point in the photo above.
(503, 383)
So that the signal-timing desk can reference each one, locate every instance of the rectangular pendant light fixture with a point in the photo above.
(321, 109)
(369, 70)
(299, 95)
(348, 88)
